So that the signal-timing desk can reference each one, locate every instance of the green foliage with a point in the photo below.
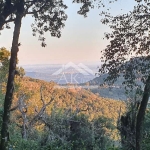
(4, 60)
(75, 132)
(21, 144)
(63, 130)
(4, 69)
(1, 109)
(17, 142)
(146, 131)
(20, 71)
(57, 145)
(114, 148)
(4, 55)
(4, 63)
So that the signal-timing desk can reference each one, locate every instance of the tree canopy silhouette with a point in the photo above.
(128, 54)
(48, 16)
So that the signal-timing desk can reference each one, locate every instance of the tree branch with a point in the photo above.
(41, 8)
(8, 10)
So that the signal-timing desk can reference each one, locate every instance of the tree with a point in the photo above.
(130, 40)
(49, 16)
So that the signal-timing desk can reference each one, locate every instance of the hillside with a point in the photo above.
(116, 91)
(66, 98)
(45, 115)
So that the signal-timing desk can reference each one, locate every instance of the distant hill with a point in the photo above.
(100, 80)
(62, 74)
(117, 90)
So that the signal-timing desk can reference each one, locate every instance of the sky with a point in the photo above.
(81, 40)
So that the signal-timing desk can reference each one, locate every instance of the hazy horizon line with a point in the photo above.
(86, 63)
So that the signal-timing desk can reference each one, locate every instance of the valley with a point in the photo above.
(74, 76)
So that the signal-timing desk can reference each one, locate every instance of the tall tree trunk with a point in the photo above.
(10, 82)
(141, 114)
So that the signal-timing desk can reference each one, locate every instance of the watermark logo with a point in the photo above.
(74, 74)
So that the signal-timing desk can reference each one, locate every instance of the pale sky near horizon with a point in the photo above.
(81, 40)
